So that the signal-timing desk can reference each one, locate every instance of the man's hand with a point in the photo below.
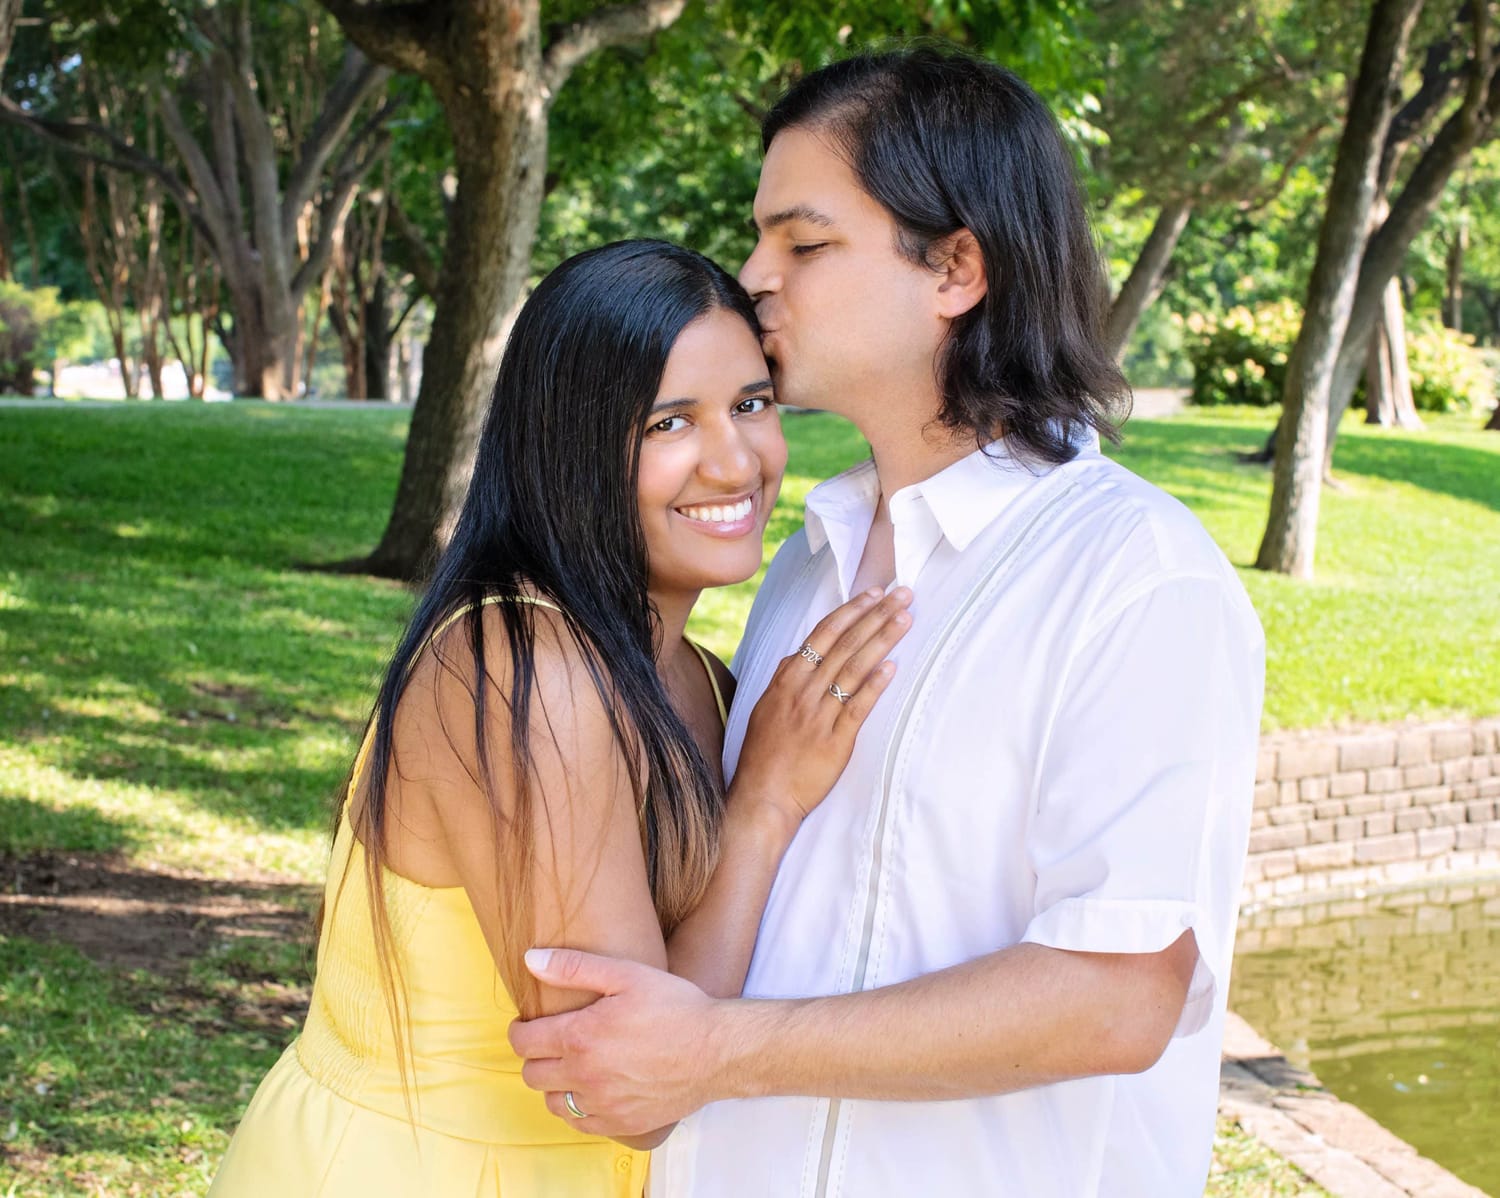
(639, 1058)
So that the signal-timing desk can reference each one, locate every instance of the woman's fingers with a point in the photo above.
(831, 627)
(862, 701)
(868, 657)
(884, 617)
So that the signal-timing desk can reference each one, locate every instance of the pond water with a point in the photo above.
(1393, 1000)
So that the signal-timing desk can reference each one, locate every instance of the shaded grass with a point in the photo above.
(126, 1084)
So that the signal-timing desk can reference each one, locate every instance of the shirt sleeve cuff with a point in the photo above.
(1093, 925)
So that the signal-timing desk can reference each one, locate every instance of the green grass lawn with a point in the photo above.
(171, 684)
(174, 689)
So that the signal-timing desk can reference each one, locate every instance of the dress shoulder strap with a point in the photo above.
(443, 625)
(713, 680)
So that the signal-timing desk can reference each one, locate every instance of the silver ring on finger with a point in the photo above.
(811, 654)
(572, 1106)
(839, 693)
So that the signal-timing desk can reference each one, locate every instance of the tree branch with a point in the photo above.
(612, 25)
(419, 257)
(334, 211)
(400, 35)
(73, 135)
(357, 80)
(258, 149)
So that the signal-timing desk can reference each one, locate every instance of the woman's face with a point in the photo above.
(711, 459)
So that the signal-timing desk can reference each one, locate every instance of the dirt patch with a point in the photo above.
(126, 917)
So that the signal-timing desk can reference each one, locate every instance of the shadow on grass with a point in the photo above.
(131, 918)
(27, 826)
(1460, 471)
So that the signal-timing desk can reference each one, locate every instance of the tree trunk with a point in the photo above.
(1290, 541)
(1453, 307)
(486, 65)
(1144, 283)
(10, 11)
(1494, 424)
(377, 345)
(501, 158)
(1388, 246)
(1388, 397)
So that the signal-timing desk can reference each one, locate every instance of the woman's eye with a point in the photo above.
(753, 405)
(811, 248)
(670, 425)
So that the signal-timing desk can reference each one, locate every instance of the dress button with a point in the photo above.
(623, 1164)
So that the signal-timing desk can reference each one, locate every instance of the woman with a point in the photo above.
(542, 763)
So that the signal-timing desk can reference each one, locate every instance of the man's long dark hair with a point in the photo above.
(945, 141)
(552, 513)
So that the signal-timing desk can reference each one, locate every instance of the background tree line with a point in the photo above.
(1297, 197)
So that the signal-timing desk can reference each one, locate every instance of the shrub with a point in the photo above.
(23, 313)
(1447, 373)
(1240, 357)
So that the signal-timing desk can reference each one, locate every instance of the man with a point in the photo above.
(1021, 895)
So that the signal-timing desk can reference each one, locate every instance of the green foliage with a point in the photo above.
(1240, 357)
(662, 139)
(1447, 373)
(30, 319)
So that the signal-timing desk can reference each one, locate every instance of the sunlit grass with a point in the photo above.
(171, 684)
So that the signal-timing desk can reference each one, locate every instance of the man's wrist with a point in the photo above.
(744, 1034)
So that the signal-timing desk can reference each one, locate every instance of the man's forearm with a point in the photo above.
(1022, 1017)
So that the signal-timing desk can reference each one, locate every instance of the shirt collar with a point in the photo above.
(956, 504)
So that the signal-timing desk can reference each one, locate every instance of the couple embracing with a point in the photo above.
(955, 914)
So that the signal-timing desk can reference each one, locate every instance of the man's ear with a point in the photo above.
(963, 282)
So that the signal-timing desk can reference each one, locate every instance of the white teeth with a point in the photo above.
(719, 514)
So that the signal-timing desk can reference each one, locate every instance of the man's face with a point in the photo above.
(850, 323)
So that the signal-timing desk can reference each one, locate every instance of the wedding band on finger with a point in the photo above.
(572, 1106)
(810, 654)
(839, 693)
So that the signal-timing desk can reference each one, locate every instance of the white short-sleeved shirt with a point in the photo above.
(1066, 756)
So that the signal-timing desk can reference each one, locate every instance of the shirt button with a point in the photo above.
(623, 1164)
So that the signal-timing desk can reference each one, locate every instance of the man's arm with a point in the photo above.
(1024, 1016)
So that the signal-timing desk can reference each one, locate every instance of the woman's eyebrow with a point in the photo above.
(684, 404)
(673, 405)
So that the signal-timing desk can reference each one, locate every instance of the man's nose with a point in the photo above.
(756, 276)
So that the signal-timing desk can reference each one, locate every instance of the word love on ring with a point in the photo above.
(811, 654)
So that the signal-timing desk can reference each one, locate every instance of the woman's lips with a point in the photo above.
(730, 519)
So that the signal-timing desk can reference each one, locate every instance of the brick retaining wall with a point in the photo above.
(1379, 807)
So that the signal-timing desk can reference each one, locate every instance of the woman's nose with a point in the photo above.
(730, 460)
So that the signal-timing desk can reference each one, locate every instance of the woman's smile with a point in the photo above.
(734, 516)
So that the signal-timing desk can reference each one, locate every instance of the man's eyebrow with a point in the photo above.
(802, 212)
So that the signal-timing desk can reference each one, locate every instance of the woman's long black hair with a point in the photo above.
(552, 513)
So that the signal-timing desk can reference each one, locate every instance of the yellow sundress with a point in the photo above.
(330, 1119)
